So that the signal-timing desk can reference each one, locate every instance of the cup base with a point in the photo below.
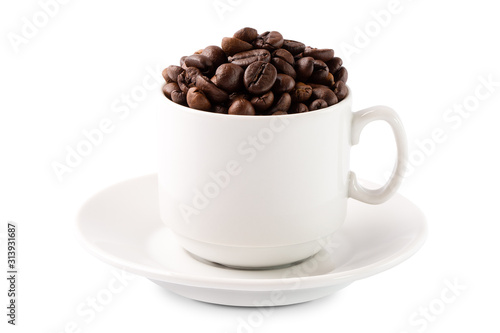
(216, 264)
(250, 258)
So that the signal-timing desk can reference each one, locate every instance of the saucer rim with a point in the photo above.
(245, 284)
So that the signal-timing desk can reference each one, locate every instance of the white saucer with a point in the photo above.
(121, 226)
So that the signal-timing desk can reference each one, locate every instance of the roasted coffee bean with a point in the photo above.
(169, 87)
(270, 74)
(325, 94)
(165, 75)
(213, 93)
(219, 109)
(229, 77)
(246, 34)
(263, 102)
(215, 54)
(319, 54)
(173, 92)
(340, 89)
(283, 104)
(301, 93)
(172, 72)
(259, 77)
(285, 55)
(298, 108)
(178, 96)
(187, 79)
(304, 68)
(214, 80)
(284, 67)
(279, 113)
(328, 81)
(315, 85)
(196, 99)
(341, 75)
(334, 64)
(293, 46)
(269, 40)
(317, 104)
(242, 107)
(238, 95)
(181, 62)
(284, 83)
(320, 72)
(298, 56)
(244, 59)
(231, 45)
(203, 63)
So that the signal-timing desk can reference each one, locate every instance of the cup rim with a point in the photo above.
(346, 101)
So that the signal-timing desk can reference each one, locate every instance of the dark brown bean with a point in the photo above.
(279, 113)
(244, 59)
(320, 72)
(231, 45)
(330, 80)
(178, 96)
(265, 71)
(340, 89)
(304, 68)
(341, 75)
(315, 85)
(237, 95)
(293, 46)
(259, 77)
(172, 72)
(165, 76)
(325, 94)
(241, 107)
(323, 80)
(317, 104)
(284, 83)
(187, 79)
(284, 67)
(263, 102)
(214, 94)
(301, 93)
(298, 108)
(319, 54)
(298, 56)
(285, 55)
(203, 63)
(215, 54)
(219, 109)
(283, 104)
(229, 77)
(196, 99)
(269, 40)
(334, 64)
(246, 34)
(181, 62)
(169, 87)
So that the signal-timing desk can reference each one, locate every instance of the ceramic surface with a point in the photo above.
(121, 226)
(261, 191)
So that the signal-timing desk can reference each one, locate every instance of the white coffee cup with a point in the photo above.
(263, 191)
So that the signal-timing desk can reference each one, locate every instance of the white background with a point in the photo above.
(66, 77)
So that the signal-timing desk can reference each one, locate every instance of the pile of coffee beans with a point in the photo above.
(257, 74)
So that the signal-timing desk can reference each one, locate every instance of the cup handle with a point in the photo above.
(359, 121)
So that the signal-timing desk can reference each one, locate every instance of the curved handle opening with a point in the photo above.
(359, 121)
